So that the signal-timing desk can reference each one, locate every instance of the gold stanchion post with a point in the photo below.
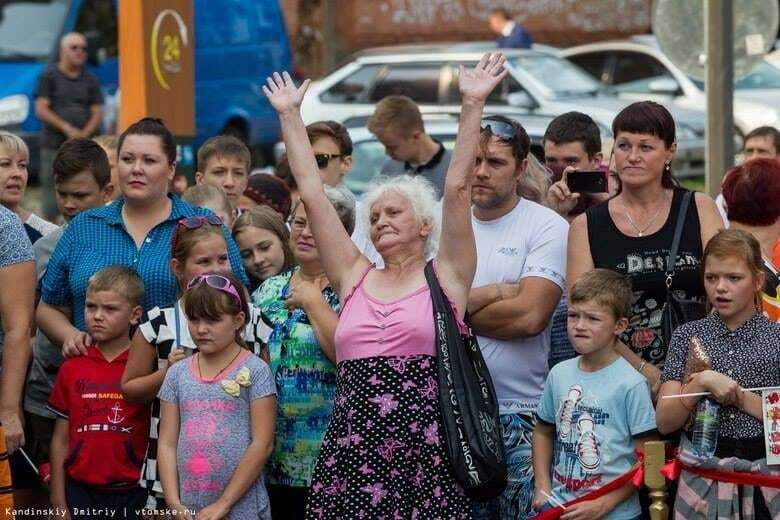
(655, 457)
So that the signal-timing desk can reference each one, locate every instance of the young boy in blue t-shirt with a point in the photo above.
(595, 409)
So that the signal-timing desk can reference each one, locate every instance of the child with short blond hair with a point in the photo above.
(99, 438)
(594, 411)
(224, 161)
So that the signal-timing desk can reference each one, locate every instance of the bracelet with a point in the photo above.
(641, 366)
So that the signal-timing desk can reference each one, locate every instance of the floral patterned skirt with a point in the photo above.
(383, 454)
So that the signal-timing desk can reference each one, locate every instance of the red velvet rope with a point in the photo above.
(635, 475)
(671, 470)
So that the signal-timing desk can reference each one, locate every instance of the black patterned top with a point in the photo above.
(750, 355)
(643, 261)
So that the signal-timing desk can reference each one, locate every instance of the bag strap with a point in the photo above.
(681, 214)
(441, 302)
(436, 291)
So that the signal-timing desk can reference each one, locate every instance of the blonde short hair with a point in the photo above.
(202, 194)
(120, 279)
(606, 288)
(397, 114)
(13, 143)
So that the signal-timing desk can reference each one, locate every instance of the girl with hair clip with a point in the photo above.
(218, 411)
(163, 337)
(734, 348)
(383, 453)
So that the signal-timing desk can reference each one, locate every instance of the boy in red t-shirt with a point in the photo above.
(100, 439)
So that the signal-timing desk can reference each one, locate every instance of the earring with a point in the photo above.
(668, 167)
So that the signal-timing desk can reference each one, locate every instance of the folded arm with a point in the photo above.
(524, 315)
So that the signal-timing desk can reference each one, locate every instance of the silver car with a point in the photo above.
(538, 83)
(638, 69)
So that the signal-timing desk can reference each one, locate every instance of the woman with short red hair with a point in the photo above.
(752, 195)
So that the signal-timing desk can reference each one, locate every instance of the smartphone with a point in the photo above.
(587, 182)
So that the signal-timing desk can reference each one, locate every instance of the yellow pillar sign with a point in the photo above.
(156, 63)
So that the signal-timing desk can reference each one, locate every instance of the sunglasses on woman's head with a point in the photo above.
(323, 159)
(499, 129)
(191, 223)
(217, 282)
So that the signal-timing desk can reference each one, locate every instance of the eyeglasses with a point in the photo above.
(298, 224)
(217, 282)
(78, 47)
(323, 159)
(500, 129)
(193, 223)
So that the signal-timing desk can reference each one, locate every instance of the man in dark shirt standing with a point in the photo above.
(398, 125)
(511, 34)
(69, 103)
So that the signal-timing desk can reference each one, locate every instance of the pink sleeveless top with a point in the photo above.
(369, 327)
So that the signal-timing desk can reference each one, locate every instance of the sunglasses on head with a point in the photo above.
(217, 282)
(193, 223)
(499, 129)
(323, 159)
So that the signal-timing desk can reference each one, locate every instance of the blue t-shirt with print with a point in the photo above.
(596, 417)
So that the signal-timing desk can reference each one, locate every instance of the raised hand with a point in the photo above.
(282, 92)
(476, 84)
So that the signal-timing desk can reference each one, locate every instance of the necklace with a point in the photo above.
(641, 232)
(200, 373)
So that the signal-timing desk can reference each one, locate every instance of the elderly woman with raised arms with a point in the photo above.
(383, 452)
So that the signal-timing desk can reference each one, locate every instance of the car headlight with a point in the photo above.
(14, 109)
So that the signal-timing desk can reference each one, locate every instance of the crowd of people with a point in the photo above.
(264, 346)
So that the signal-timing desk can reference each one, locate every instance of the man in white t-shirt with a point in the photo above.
(521, 263)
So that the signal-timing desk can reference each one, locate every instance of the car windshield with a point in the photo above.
(764, 75)
(557, 76)
(29, 29)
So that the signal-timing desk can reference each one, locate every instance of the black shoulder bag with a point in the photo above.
(677, 311)
(469, 407)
